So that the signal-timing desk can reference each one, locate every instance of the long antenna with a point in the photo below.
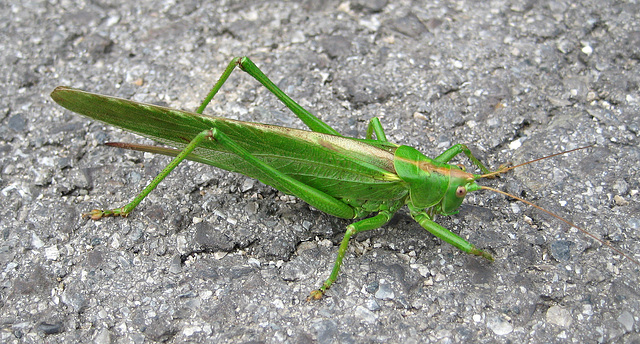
(604, 242)
(503, 170)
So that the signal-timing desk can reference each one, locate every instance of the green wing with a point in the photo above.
(341, 167)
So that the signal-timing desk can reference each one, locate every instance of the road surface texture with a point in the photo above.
(216, 257)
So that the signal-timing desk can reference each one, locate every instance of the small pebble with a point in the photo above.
(626, 319)
(559, 316)
(620, 201)
(385, 292)
(499, 326)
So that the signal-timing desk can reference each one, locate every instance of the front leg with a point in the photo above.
(446, 235)
(447, 155)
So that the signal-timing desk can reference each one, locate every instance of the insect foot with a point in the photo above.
(315, 295)
(97, 214)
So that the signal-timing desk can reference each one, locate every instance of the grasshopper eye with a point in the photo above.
(461, 191)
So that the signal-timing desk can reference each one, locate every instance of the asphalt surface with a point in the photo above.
(213, 256)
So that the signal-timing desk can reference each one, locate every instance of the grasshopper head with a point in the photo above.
(460, 183)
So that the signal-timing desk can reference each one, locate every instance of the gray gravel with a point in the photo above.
(213, 256)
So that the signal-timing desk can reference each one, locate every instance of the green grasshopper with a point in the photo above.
(342, 176)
